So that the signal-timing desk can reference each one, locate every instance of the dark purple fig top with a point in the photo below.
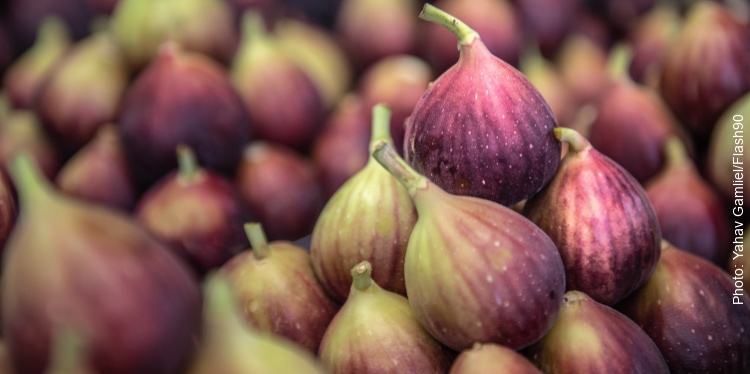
(482, 129)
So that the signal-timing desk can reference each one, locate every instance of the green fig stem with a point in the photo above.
(258, 240)
(577, 142)
(362, 275)
(674, 152)
(462, 31)
(253, 27)
(620, 57)
(381, 125)
(386, 156)
(30, 183)
(68, 351)
(187, 163)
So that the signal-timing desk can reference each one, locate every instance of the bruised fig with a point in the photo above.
(481, 129)
(601, 221)
(589, 337)
(726, 150)
(695, 313)
(380, 215)
(197, 211)
(376, 331)
(692, 215)
(102, 275)
(468, 267)
(487, 358)
(277, 291)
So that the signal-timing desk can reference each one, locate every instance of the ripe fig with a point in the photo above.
(282, 189)
(25, 74)
(583, 66)
(197, 211)
(692, 215)
(379, 216)
(99, 172)
(488, 358)
(549, 22)
(69, 353)
(650, 38)
(547, 78)
(21, 130)
(24, 18)
(475, 270)
(182, 98)
(277, 291)
(726, 151)
(230, 346)
(695, 314)
(482, 129)
(90, 254)
(376, 331)
(601, 221)
(8, 210)
(590, 337)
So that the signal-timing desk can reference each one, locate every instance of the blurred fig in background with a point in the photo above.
(8, 51)
(488, 357)
(726, 147)
(99, 172)
(21, 130)
(102, 275)
(548, 22)
(182, 98)
(8, 211)
(619, 15)
(650, 38)
(707, 68)
(24, 18)
(140, 27)
(283, 101)
(24, 76)
(102, 7)
(546, 77)
(584, 68)
(197, 212)
(282, 189)
(83, 91)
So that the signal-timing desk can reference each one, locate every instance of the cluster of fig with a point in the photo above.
(361, 186)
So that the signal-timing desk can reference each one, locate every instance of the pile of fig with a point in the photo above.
(374, 186)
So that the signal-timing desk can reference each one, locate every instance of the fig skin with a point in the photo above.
(687, 308)
(482, 129)
(182, 98)
(601, 221)
(277, 290)
(607, 341)
(583, 65)
(91, 253)
(727, 139)
(650, 38)
(487, 358)
(549, 22)
(692, 215)
(488, 249)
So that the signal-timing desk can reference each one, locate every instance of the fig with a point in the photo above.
(726, 151)
(547, 78)
(711, 40)
(231, 346)
(695, 313)
(549, 22)
(69, 353)
(198, 212)
(21, 130)
(378, 216)
(650, 38)
(281, 187)
(488, 358)
(481, 129)
(601, 221)
(692, 215)
(475, 270)
(8, 209)
(25, 74)
(25, 17)
(583, 64)
(182, 98)
(376, 331)
(277, 291)
(91, 253)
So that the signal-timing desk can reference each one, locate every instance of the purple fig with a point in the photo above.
(482, 129)
(198, 212)
(281, 187)
(549, 22)
(182, 98)
(21, 130)
(707, 68)
(695, 313)
(589, 337)
(8, 210)
(692, 215)
(26, 17)
(99, 172)
(601, 221)
(467, 266)
(726, 154)
(619, 15)
(277, 290)
(380, 216)
(102, 275)
(376, 331)
(650, 38)
(487, 358)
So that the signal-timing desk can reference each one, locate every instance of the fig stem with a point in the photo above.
(253, 26)
(362, 275)
(258, 240)
(618, 64)
(674, 152)
(28, 179)
(463, 32)
(577, 142)
(381, 125)
(68, 351)
(386, 156)
(188, 165)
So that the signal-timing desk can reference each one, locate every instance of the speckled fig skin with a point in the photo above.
(589, 337)
(482, 129)
(488, 358)
(688, 309)
(475, 270)
(601, 221)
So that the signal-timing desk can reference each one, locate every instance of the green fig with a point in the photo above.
(488, 358)
(726, 151)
